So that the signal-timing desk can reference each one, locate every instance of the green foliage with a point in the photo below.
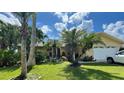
(79, 39)
(72, 40)
(8, 58)
(87, 58)
(40, 57)
(40, 37)
(9, 36)
(89, 40)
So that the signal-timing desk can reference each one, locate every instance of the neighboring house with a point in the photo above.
(100, 52)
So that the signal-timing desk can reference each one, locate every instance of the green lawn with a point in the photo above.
(62, 71)
(9, 73)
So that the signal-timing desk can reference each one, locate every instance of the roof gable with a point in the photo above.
(111, 37)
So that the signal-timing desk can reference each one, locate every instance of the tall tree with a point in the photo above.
(76, 39)
(31, 60)
(23, 18)
(9, 36)
(72, 40)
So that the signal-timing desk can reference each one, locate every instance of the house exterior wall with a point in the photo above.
(62, 50)
(89, 52)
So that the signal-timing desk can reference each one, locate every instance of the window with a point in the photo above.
(121, 53)
(100, 47)
(110, 46)
(113, 47)
(95, 47)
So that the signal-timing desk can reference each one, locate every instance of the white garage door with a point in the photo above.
(100, 54)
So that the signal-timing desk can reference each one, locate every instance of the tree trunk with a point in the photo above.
(73, 56)
(52, 52)
(23, 59)
(23, 49)
(56, 53)
(31, 60)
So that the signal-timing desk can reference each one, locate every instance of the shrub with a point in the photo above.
(40, 57)
(88, 58)
(8, 58)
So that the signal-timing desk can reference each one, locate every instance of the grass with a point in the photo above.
(9, 72)
(62, 71)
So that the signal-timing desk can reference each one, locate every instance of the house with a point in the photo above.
(100, 52)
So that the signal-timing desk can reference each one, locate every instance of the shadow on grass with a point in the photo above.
(82, 73)
(102, 64)
(8, 69)
(20, 77)
(50, 63)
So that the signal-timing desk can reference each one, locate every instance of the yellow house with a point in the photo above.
(100, 52)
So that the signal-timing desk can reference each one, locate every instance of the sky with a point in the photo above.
(53, 23)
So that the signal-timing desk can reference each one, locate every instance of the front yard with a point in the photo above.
(62, 71)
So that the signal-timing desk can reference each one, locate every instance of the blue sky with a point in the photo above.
(52, 23)
(109, 22)
(99, 18)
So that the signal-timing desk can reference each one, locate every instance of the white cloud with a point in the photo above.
(77, 17)
(75, 20)
(62, 16)
(104, 26)
(86, 25)
(9, 19)
(53, 37)
(60, 26)
(115, 29)
(72, 28)
(45, 29)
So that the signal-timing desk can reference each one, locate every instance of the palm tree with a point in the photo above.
(89, 40)
(34, 37)
(23, 18)
(76, 39)
(3, 35)
(48, 46)
(9, 36)
(72, 40)
(31, 60)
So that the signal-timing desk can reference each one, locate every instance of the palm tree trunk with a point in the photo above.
(56, 53)
(31, 60)
(52, 52)
(23, 49)
(23, 58)
(74, 56)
